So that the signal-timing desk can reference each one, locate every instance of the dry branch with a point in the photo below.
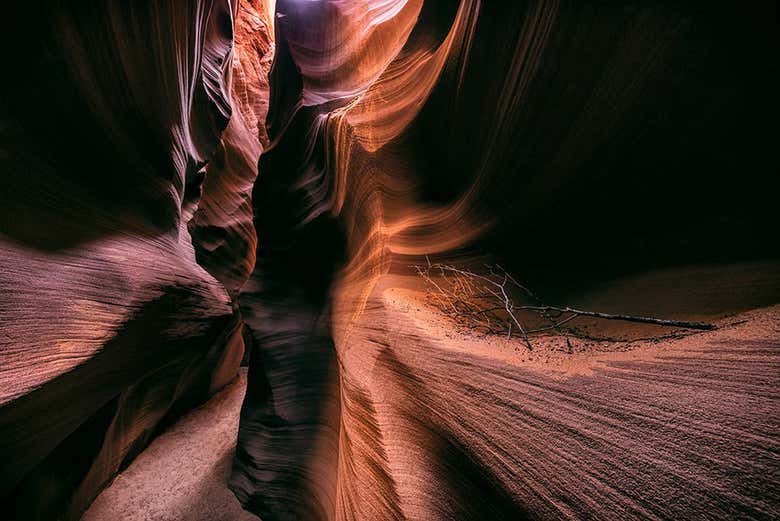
(485, 301)
(626, 318)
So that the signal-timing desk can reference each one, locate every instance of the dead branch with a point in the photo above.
(626, 318)
(485, 301)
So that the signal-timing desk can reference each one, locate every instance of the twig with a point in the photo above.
(626, 318)
(491, 297)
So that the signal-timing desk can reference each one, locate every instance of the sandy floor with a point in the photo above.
(182, 475)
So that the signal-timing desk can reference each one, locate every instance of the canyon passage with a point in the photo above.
(388, 260)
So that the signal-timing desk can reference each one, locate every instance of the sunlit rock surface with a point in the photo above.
(109, 327)
(573, 141)
(222, 229)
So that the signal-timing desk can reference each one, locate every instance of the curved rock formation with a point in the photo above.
(222, 229)
(159, 206)
(401, 129)
(109, 326)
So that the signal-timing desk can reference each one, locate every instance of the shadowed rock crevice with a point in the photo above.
(110, 327)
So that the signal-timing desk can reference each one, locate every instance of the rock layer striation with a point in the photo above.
(110, 327)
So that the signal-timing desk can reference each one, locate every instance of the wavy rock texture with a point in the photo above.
(581, 144)
(222, 229)
(109, 327)
(405, 128)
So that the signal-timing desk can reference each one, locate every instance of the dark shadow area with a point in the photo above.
(637, 136)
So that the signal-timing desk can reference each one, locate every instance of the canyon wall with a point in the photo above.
(140, 251)
(545, 134)
(110, 326)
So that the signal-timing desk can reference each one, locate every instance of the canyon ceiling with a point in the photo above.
(187, 186)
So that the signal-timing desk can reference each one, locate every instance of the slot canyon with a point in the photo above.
(389, 260)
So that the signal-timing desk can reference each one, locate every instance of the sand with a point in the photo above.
(182, 475)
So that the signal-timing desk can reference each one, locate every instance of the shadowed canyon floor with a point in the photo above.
(681, 428)
(182, 475)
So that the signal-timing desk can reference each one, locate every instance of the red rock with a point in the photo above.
(109, 327)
